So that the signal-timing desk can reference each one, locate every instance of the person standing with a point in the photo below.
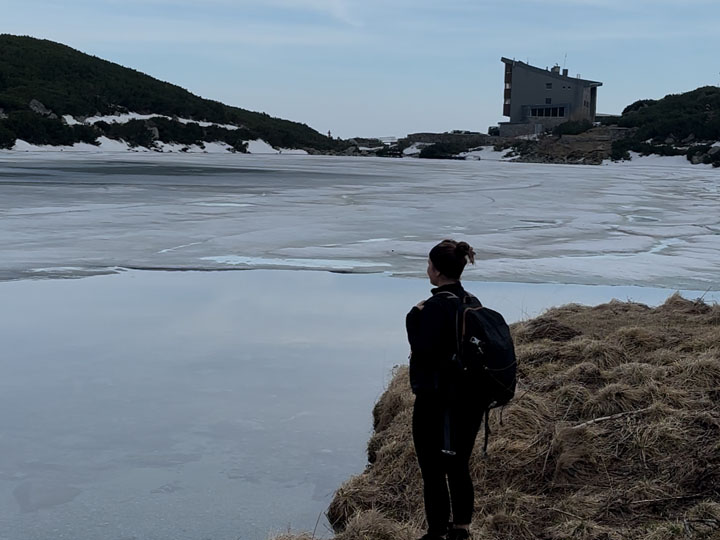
(446, 414)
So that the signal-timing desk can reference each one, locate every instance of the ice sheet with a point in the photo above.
(640, 224)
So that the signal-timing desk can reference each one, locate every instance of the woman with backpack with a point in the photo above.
(446, 414)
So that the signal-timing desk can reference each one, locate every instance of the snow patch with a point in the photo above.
(485, 152)
(113, 145)
(259, 146)
(637, 159)
(414, 149)
(125, 118)
(207, 148)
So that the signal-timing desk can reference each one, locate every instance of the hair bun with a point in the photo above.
(465, 250)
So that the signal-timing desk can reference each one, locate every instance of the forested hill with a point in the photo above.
(677, 124)
(68, 82)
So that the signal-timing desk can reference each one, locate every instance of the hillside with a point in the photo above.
(614, 434)
(677, 124)
(59, 80)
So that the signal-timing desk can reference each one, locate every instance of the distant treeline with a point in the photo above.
(67, 81)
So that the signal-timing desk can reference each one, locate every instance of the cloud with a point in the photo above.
(134, 25)
(337, 10)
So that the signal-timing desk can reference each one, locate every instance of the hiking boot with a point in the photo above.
(458, 534)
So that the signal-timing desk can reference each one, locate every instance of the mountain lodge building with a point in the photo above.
(537, 99)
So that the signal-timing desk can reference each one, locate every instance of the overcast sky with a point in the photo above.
(387, 67)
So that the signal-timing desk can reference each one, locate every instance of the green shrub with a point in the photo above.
(692, 113)
(36, 129)
(697, 149)
(448, 150)
(621, 149)
(7, 136)
(638, 105)
(573, 127)
(134, 132)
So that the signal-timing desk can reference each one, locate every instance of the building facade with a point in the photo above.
(537, 99)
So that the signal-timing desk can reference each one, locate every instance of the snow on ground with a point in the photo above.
(124, 118)
(260, 147)
(206, 148)
(70, 120)
(414, 149)
(484, 152)
(112, 145)
(104, 145)
(637, 159)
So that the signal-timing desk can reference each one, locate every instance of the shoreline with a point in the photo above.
(118, 148)
(74, 273)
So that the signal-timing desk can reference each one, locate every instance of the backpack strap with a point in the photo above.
(447, 446)
(487, 431)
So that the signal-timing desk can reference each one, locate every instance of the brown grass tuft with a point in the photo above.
(544, 328)
(374, 525)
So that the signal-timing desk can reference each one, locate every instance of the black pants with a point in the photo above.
(440, 470)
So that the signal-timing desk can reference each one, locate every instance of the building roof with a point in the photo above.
(549, 73)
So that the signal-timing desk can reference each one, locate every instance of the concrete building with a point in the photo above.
(537, 99)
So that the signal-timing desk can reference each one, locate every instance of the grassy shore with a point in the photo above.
(614, 434)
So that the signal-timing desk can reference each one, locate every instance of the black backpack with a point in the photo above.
(485, 354)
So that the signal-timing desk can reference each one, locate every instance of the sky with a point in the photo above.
(387, 67)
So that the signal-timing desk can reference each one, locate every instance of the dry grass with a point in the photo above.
(614, 434)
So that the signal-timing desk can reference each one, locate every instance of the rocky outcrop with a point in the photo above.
(589, 148)
(39, 108)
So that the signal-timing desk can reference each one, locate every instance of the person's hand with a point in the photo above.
(420, 305)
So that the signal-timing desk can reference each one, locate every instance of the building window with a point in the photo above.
(548, 101)
(533, 112)
(561, 111)
(554, 111)
(548, 85)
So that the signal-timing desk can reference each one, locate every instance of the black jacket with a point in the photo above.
(433, 340)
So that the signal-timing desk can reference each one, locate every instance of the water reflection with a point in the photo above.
(203, 405)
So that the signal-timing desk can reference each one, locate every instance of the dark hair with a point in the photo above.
(450, 257)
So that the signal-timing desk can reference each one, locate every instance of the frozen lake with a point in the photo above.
(647, 225)
(225, 405)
